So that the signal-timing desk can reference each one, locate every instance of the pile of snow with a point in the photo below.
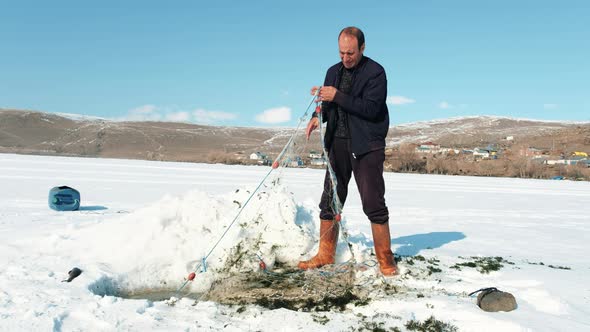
(156, 246)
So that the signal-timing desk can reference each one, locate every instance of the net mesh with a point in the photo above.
(320, 289)
(332, 286)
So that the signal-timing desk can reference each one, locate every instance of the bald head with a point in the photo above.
(354, 32)
(351, 45)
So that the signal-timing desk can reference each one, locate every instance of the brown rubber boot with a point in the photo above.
(327, 250)
(382, 241)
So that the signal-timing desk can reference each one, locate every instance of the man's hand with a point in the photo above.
(326, 93)
(314, 90)
(311, 126)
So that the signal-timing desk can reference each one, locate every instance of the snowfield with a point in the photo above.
(144, 226)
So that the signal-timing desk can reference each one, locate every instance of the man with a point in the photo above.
(353, 105)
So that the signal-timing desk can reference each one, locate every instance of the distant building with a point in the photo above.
(555, 162)
(579, 161)
(493, 151)
(315, 154)
(428, 147)
(481, 153)
(261, 158)
(318, 162)
(258, 156)
(572, 161)
(295, 162)
(450, 150)
(530, 152)
(509, 138)
(492, 148)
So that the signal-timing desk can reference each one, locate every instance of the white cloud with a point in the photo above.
(178, 116)
(208, 117)
(156, 113)
(275, 115)
(444, 105)
(144, 113)
(549, 106)
(399, 100)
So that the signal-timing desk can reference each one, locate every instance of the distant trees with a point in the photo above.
(405, 159)
(409, 161)
(441, 165)
(578, 172)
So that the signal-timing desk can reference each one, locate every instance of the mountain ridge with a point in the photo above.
(35, 132)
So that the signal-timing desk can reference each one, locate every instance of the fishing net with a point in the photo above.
(318, 290)
(331, 286)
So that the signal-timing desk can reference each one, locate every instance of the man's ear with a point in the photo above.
(363, 48)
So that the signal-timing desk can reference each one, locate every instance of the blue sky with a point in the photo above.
(252, 63)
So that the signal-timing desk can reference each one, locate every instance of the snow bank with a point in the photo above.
(156, 246)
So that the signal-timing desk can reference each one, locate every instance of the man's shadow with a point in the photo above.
(411, 245)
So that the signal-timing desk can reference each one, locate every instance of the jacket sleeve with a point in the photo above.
(369, 105)
(324, 109)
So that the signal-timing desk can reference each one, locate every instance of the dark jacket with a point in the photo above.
(367, 111)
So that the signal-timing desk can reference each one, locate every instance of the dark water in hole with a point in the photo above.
(156, 295)
(107, 286)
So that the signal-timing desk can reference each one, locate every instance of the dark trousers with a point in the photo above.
(368, 174)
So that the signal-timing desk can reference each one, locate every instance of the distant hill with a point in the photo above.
(47, 133)
(482, 130)
(34, 132)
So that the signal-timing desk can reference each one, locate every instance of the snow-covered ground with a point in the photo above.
(146, 225)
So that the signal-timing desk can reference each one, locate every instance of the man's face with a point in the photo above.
(350, 54)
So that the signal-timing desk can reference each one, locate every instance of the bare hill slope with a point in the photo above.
(47, 133)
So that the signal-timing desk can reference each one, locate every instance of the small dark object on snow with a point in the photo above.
(73, 273)
(492, 299)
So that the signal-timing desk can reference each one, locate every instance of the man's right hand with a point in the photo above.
(311, 126)
(314, 90)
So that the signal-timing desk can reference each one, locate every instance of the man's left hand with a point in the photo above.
(327, 93)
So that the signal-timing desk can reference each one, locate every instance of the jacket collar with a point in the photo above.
(361, 63)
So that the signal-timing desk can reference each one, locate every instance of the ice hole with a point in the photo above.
(106, 286)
